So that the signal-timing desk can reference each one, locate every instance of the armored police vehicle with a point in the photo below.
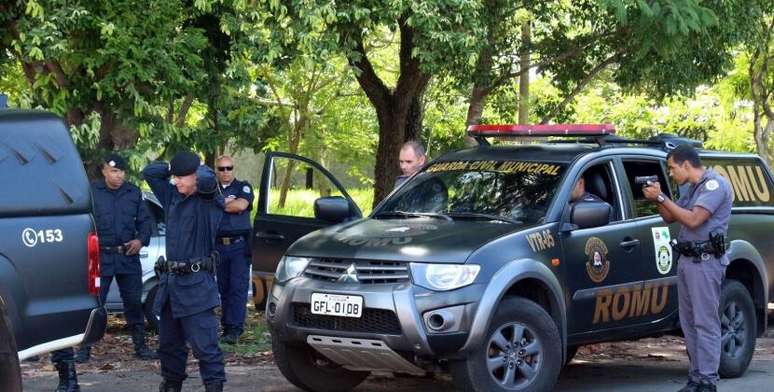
(482, 265)
(49, 251)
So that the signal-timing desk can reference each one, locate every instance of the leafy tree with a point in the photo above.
(431, 33)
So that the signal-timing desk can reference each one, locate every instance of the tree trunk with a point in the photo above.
(524, 77)
(399, 111)
(475, 111)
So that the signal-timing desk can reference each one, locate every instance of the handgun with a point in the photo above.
(645, 180)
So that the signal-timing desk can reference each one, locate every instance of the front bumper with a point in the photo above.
(393, 314)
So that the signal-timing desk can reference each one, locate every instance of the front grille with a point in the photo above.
(368, 271)
(372, 321)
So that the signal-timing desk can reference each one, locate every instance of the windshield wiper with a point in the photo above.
(479, 215)
(406, 214)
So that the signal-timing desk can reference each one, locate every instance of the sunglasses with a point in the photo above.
(225, 168)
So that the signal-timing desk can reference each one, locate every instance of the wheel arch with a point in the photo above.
(526, 278)
(747, 266)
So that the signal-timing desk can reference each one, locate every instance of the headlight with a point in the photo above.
(443, 277)
(290, 267)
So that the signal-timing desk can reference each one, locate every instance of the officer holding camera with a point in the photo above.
(703, 213)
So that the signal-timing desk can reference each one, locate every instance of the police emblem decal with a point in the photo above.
(712, 185)
(246, 189)
(664, 260)
(598, 265)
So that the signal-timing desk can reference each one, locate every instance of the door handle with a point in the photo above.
(269, 236)
(629, 243)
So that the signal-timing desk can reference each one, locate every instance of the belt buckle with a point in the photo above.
(226, 240)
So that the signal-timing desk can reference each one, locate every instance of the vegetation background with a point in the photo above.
(345, 83)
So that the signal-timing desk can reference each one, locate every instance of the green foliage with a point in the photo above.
(300, 202)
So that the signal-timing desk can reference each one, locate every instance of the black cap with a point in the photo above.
(116, 161)
(184, 163)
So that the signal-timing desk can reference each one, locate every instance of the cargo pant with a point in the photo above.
(233, 284)
(698, 287)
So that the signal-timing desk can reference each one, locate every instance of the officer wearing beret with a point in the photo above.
(703, 212)
(124, 226)
(232, 243)
(187, 294)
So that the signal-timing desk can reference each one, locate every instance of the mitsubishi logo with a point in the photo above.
(350, 275)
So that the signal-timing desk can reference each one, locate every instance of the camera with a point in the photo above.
(645, 180)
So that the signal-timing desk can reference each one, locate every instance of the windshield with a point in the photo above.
(506, 191)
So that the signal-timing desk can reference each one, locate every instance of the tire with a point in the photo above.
(147, 308)
(539, 337)
(10, 372)
(310, 371)
(738, 329)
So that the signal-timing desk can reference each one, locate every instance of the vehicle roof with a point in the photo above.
(563, 152)
(544, 152)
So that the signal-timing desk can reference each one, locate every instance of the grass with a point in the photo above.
(300, 202)
(255, 340)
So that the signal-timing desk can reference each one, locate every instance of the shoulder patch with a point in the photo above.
(711, 185)
(246, 189)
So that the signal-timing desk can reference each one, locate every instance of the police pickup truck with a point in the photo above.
(49, 252)
(480, 264)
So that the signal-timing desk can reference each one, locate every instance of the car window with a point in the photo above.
(516, 190)
(295, 185)
(638, 168)
(598, 180)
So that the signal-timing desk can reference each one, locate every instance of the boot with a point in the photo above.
(170, 386)
(215, 386)
(140, 349)
(83, 355)
(68, 380)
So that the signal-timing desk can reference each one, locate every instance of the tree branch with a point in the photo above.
(375, 89)
(183, 112)
(583, 83)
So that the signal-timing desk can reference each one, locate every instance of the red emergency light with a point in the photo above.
(512, 130)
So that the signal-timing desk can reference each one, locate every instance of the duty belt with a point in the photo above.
(207, 264)
(224, 240)
(701, 250)
(113, 249)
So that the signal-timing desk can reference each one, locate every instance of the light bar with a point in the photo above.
(512, 130)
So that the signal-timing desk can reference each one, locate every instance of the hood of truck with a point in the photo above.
(414, 239)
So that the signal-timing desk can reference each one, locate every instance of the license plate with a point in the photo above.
(337, 305)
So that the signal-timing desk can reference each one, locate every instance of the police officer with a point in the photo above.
(232, 243)
(703, 213)
(124, 226)
(579, 193)
(187, 294)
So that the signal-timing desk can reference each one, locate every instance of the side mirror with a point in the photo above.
(590, 214)
(332, 209)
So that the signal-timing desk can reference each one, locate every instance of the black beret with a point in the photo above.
(116, 161)
(184, 163)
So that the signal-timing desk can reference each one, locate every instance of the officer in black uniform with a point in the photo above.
(232, 243)
(187, 294)
(124, 226)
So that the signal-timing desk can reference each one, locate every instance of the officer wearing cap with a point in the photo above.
(703, 213)
(124, 226)
(187, 294)
(232, 243)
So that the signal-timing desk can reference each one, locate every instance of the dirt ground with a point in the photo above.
(647, 364)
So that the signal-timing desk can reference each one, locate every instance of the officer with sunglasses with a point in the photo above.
(234, 248)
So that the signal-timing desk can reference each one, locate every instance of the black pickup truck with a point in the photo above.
(49, 251)
(478, 265)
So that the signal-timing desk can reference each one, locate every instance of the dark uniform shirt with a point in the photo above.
(121, 216)
(237, 224)
(192, 222)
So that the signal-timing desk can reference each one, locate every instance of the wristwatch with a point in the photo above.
(661, 198)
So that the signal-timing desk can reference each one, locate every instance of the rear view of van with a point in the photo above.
(49, 250)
